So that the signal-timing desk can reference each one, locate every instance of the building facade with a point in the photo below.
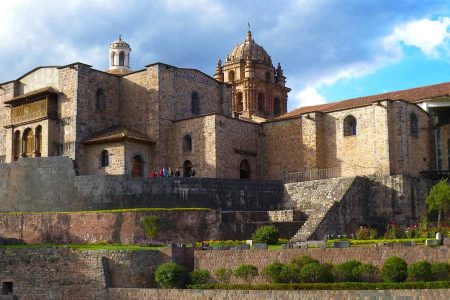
(232, 125)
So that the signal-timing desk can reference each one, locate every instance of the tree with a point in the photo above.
(439, 198)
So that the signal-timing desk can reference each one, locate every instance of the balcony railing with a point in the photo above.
(314, 174)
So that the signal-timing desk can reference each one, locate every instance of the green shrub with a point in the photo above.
(289, 275)
(419, 271)
(299, 262)
(366, 233)
(366, 273)
(152, 224)
(394, 269)
(246, 273)
(314, 272)
(170, 275)
(273, 272)
(440, 271)
(266, 234)
(343, 272)
(223, 275)
(200, 276)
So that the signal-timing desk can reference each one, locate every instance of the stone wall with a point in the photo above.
(341, 205)
(110, 227)
(169, 294)
(50, 184)
(231, 259)
(62, 273)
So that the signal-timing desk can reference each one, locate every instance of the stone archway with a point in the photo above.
(244, 169)
(136, 170)
(187, 166)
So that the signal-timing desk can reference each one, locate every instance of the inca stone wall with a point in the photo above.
(109, 227)
(59, 273)
(50, 184)
(169, 294)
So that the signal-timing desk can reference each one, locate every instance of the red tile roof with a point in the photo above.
(413, 95)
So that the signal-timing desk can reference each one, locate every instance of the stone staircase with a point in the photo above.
(315, 198)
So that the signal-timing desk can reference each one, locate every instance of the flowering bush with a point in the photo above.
(393, 230)
(412, 231)
(366, 233)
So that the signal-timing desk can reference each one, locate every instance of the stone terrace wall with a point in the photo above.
(231, 259)
(146, 294)
(68, 274)
(123, 228)
(50, 184)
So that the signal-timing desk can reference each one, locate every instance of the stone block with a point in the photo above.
(287, 246)
(341, 244)
(431, 242)
(446, 242)
(260, 246)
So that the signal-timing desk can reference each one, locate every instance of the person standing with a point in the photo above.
(169, 172)
(177, 173)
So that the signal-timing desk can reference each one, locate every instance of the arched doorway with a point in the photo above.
(276, 106)
(136, 171)
(261, 102)
(187, 166)
(239, 101)
(244, 169)
(28, 142)
(38, 140)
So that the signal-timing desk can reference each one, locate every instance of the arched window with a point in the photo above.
(38, 140)
(121, 59)
(113, 57)
(195, 103)
(187, 166)
(261, 102)
(16, 145)
(349, 126)
(187, 143)
(231, 75)
(239, 101)
(136, 171)
(413, 125)
(276, 106)
(100, 100)
(244, 169)
(28, 142)
(268, 77)
(104, 159)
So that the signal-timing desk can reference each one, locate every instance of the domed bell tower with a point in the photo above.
(258, 90)
(119, 57)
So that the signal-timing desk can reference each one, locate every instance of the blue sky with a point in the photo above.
(329, 50)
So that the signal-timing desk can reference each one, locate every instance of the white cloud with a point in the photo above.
(308, 96)
(425, 34)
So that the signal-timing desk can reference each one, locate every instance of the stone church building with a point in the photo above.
(232, 125)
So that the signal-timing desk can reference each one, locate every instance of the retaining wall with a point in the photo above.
(160, 294)
(50, 184)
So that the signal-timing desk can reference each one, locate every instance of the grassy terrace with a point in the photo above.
(82, 247)
(150, 209)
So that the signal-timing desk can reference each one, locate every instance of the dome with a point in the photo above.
(119, 43)
(249, 48)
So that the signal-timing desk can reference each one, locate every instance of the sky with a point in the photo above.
(329, 50)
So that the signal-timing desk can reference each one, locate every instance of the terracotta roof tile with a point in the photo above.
(413, 95)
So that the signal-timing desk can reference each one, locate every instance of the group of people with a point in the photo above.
(168, 172)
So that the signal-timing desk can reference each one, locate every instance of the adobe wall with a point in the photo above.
(50, 184)
(62, 273)
(169, 294)
(212, 260)
(110, 227)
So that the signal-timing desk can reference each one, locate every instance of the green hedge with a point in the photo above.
(361, 243)
(326, 286)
